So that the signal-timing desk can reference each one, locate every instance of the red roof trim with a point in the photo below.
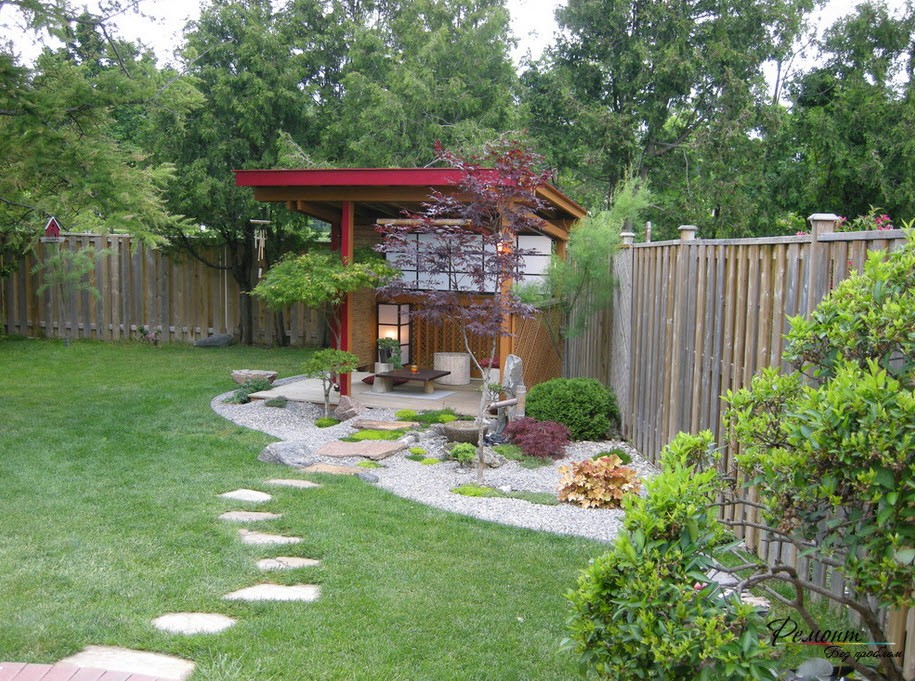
(348, 177)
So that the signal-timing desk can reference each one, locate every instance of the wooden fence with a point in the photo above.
(139, 285)
(694, 318)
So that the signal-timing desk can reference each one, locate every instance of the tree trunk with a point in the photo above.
(280, 339)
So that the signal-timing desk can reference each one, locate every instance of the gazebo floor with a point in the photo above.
(464, 399)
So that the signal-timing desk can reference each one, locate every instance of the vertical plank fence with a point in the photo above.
(694, 318)
(139, 285)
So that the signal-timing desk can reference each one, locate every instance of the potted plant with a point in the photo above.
(389, 352)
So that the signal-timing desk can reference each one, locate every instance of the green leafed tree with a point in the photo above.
(65, 148)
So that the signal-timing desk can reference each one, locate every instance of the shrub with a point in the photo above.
(326, 421)
(276, 402)
(405, 415)
(624, 456)
(600, 483)
(544, 439)
(586, 406)
(463, 453)
(243, 394)
(636, 612)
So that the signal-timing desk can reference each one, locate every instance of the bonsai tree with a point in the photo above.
(327, 365)
(389, 351)
(470, 249)
(321, 281)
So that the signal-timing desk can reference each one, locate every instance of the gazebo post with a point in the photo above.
(345, 244)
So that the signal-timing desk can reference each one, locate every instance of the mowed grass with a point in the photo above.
(110, 465)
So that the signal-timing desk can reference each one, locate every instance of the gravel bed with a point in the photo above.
(432, 484)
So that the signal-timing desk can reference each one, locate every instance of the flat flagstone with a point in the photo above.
(286, 563)
(290, 482)
(332, 469)
(376, 450)
(247, 495)
(249, 516)
(132, 662)
(193, 623)
(366, 424)
(276, 592)
(251, 537)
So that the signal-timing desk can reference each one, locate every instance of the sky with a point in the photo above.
(533, 23)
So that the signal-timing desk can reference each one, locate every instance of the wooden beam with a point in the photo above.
(386, 194)
(555, 197)
(325, 213)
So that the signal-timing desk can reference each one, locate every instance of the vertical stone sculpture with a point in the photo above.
(513, 385)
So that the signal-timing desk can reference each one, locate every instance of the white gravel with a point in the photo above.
(432, 484)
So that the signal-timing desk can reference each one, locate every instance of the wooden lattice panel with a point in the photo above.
(429, 338)
(533, 343)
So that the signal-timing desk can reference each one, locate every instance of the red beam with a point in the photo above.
(347, 218)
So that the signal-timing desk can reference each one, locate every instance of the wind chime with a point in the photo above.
(260, 244)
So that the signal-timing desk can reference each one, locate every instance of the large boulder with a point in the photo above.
(288, 452)
(348, 408)
(240, 376)
(217, 340)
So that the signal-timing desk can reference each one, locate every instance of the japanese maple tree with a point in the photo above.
(463, 246)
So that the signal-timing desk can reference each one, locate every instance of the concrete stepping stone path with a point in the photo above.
(249, 516)
(251, 537)
(286, 563)
(276, 592)
(376, 450)
(193, 623)
(247, 495)
(291, 482)
(129, 661)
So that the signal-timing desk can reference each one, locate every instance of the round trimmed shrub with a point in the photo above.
(587, 407)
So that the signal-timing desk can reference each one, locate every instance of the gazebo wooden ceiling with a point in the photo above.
(382, 192)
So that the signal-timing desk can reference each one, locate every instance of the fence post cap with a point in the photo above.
(627, 238)
(688, 232)
(823, 217)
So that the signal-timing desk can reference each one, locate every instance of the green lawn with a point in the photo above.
(110, 463)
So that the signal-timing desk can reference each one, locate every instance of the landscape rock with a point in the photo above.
(286, 563)
(491, 459)
(240, 376)
(251, 495)
(217, 340)
(368, 477)
(276, 592)
(461, 431)
(376, 450)
(331, 469)
(288, 452)
(348, 408)
(193, 623)
(365, 424)
(129, 661)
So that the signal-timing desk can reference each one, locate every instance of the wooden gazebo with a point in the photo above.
(353, 200)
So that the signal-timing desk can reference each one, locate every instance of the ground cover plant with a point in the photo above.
(474, 490)
(515, 453)
(372, 434)
(114, 523)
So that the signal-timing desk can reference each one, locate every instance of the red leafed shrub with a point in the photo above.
(538, 438)
(599, 483)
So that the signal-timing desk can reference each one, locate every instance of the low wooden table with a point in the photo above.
(425, 375)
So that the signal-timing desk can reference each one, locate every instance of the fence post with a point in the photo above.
(820, 223)
(626, 238)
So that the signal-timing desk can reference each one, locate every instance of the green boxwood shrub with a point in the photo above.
(587, 407)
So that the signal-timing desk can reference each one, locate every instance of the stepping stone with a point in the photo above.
(376, 450)
(132, 662)
(249, 516)
(365, 424)
(276, 592)
(333, 470)
(250, 537)
(193, 623)
(286, 563)
(290, 482)
(247, 495)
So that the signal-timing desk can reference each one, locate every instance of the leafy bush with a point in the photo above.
(636, 613)
(370, 434)
(326, 421)
(624, 456)
(597, 483)
(587, 407)
(544, 439)
(276, 402)
(405, 415)
(243, 394)
(463, 453)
